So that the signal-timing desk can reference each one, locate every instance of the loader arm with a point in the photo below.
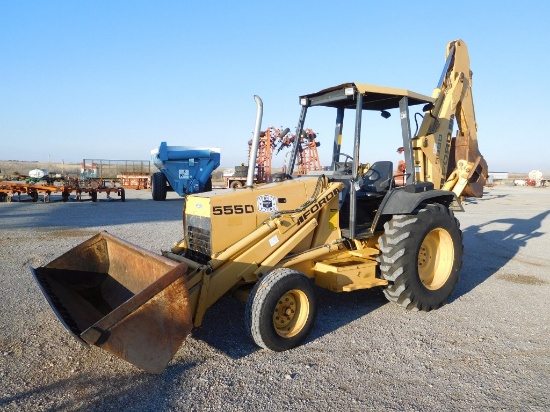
(451, 163)
(304, 229)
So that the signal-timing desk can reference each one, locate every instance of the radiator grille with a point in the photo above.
(199, 241)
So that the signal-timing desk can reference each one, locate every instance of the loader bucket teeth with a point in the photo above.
(121, 298)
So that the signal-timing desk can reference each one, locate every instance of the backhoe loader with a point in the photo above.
(344, 229)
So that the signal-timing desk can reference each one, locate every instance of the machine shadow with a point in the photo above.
(487, 196)
(334, 311)
(487, 250)
(135, 390)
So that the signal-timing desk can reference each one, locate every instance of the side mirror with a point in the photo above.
(385, 114)
(428, 107)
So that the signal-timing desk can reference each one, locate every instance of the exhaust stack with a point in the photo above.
(255, 143)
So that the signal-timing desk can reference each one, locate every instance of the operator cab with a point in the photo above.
(364, 192)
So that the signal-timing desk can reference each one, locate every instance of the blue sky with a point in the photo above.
(112, 79)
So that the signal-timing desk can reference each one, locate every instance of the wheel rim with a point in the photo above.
(435, 259)
(291, 313)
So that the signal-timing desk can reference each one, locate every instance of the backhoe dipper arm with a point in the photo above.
(451, 163)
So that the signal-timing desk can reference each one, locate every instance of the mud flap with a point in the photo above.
(121, 298)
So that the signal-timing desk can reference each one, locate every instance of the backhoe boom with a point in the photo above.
(451, 163)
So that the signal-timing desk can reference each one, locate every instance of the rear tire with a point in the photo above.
(281, 310)
(421, 257)
(236, 184)
(158, 189)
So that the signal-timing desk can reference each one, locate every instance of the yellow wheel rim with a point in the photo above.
(435, 259)
(291, 313)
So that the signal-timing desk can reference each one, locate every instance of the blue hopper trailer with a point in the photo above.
(183, 169)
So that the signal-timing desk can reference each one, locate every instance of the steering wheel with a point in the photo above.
(338, 164)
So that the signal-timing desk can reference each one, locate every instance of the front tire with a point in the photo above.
(281, 310)
(421, 257)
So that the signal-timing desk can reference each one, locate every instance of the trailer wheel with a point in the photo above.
(158, 189)
(122, 195)
(235, 184)
(93, 194)
(65, 196)
(421, 257)
(281, 310)
(34, 196)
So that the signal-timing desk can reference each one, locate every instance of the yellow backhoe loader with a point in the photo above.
(343, 229)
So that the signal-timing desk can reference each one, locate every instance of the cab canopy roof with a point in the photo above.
(374, 97)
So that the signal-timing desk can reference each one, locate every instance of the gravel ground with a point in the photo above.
(489, 349)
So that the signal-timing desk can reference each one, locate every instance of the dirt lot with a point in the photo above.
(488, 349)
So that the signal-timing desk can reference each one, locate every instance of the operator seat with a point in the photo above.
(377, 180)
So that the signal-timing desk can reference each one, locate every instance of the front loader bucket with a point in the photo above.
(120, 297)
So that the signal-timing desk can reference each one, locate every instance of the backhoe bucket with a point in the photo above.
(467, 166)
(120, 297)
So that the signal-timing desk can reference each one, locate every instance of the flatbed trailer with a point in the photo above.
(9, 189)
